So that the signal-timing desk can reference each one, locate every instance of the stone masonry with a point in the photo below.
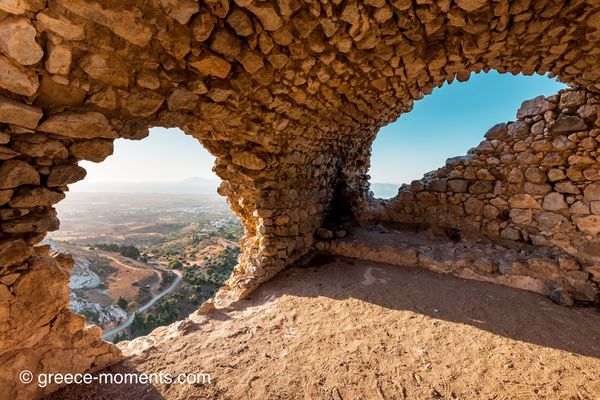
(288, 95)
(531, 182)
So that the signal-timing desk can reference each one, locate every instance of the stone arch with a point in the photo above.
(287, 95)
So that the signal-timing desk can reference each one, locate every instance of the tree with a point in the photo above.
(122, 302)
(175, 264)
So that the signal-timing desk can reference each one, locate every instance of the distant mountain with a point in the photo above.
(195, 185)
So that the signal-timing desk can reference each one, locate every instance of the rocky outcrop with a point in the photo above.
(288, 97)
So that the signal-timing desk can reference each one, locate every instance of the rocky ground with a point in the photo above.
(346, 329)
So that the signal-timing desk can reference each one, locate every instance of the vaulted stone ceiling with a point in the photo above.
(288, 95)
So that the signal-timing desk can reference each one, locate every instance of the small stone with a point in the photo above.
(252, 61)
(59, 59)
(202, 26)
(554, 202)
(592, 192)
(533, 107)
(39, 196)
(12, 112)
(523, 201)
(14, 252)
(325, 234)
(87, 125)
(458, 185)
(571, 99)
(589, 224)
(180, 10)
(518, 130)
(61, 26)
(212, 65)
(17, 79)
(14, 173)
(5, 196)
(61, 175)
(182, 99)
(267, 15)
(240, 22)
(17, 40)
(13, 6)
(95, 150)
(248, 160)
(226, 43)
(562, 297)
(220, 8)
(567, 123)
(471, 5)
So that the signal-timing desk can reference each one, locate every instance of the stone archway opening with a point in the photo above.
(288, 96)
(150, 237)
(446, 124)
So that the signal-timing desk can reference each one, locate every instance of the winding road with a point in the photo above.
(108, 334)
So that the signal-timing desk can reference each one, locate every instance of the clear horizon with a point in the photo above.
(445, 124)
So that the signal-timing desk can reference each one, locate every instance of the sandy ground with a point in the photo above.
(344, 329)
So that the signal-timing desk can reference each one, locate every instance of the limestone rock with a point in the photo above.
(220, 8)
(471, 5)
(12, 112)
(248, 160)
(267, 14)
(523, 201)
(16, 79)
(95, 150)
(592, 192)
(589, 224)
(14, 6)
(212, 65)
(568, 123)
(180, 10)
(127, 24)
(39, 196)
(88, 125)
(59, 59)
(182, 99)
(105, 68)
(61, 175)
(240, 22)
(14, 252)
(17, 41)
(554, 202)
(536, 106)
(60, 26)
(14, 173)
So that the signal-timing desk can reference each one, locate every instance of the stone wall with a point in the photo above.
(288, 95)
(531, 182)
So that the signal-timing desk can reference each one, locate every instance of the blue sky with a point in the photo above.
(444, 124)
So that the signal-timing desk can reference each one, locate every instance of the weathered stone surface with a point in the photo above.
(14, 6)
(554, 202)
(128, 24)
(182, 99)
(95, 150)
(17, 40)
(568, 124)
(180, 10)
(248, 160)
(14, 173)
(60, 26)
(16, 79)
(12, 112)
(105, 68)
(61, 175)
(471, 5)
(14, 252)
(589, 224)
(592, 192)
(59, 59)
(523, 201)
(39, 196)
(536, 106)
(87, 125)
(212, 65)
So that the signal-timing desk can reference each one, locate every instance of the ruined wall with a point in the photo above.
(288, 95)
(534, 181)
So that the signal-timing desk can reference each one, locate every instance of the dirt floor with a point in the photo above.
(344, 329)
